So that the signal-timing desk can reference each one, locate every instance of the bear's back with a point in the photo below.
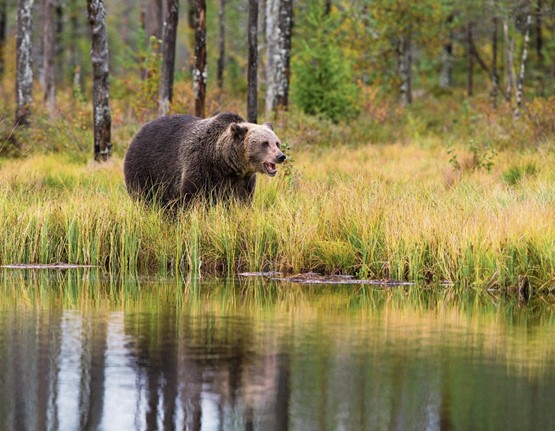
(151, 165)
(172, 146)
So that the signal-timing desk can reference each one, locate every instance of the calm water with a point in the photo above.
(77, 353)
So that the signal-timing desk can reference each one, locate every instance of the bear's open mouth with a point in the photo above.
(270, 168)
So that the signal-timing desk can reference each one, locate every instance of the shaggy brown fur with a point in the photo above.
(178, 158)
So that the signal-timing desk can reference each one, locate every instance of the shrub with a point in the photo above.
(323, 83)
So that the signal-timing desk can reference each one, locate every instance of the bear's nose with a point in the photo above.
(281, 158)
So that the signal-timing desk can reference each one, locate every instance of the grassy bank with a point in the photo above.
(420, 212)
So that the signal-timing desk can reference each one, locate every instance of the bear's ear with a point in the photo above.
(268, 125)
(238, 130)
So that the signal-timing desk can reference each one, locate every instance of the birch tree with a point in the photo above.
(279, 22)
(101, 87)
(285, 28)
(168, 55)
(48, 55)
(522, 67)
(252, 108)
(199, 71)
(24, 72)
(405, 68)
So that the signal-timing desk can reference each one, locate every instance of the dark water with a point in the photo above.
(77, 353)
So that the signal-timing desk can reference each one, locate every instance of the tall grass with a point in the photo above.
(430, 206)
(372, 211)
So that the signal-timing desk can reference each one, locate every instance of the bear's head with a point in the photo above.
(261, 147)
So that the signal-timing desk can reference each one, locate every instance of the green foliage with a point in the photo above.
(516, 173)
(453, 160)
(323, 82)
(141, 83)
(290, 173)
(152, 69)
(482, 157)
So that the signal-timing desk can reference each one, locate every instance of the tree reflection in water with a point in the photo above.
(224, 361)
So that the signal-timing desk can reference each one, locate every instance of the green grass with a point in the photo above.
(392, 211)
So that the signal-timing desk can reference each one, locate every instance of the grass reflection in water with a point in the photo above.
(82, 351)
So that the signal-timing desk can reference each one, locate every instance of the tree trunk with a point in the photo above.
(153, 23)
(509, 61)
(48, 55)
(404, 68)
(327, 7)
(37, 50)
(101, 85)
(74, 62)
(522, 66)
(470, 61)
(3, 32)
(24, 73)
(252, 106)
(539, 47)
(59, 48)
(261, 42)
(272, 11)
(539, 35)
(168, 55)
(285, 27)
(494, 74)
(221, 47)
(279, 23)
(199, 72)
(446, 75)
(192, 13)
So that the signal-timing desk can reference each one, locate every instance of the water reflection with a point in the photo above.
(82, 354)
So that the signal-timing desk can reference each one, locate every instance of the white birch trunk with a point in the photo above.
(404, 69)
(445, 77)
(272, 36)
(279, 23)
(522, 67)
(24, 72)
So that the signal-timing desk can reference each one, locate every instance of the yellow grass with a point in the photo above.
(373, 211)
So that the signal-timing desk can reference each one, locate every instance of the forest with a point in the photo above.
(420, 135)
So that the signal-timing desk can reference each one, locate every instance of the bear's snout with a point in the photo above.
(281, 157)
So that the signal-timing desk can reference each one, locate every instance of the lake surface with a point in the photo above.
(79, 351)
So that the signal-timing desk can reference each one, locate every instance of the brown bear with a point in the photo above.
(176, 159)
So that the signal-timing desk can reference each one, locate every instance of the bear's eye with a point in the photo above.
(278, 144)
(265, 144)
